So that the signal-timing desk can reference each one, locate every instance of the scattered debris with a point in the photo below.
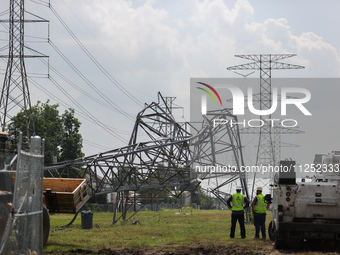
(135, 222)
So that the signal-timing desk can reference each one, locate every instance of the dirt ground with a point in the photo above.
(263, 247)
(221, 250)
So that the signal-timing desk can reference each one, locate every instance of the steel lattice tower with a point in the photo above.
(15, 94)
(265, 63)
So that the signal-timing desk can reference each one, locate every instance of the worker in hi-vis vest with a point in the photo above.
(259, 208)
(239, 203)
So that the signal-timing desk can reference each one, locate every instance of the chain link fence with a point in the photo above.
(21, 205)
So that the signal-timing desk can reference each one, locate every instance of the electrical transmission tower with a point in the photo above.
(266, 63)
(15, 94)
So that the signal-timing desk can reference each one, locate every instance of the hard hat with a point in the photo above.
(238, 187)
(259, 188)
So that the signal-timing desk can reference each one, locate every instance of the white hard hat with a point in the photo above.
(238, 187)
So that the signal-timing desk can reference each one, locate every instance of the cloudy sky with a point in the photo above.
(141, 47)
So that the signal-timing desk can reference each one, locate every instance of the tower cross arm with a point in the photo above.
(248, 66)
(273, 65)
(279, 65)
(265, 57)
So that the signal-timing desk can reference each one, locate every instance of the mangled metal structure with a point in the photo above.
(218, 138)
(163, 162)
(160, 163)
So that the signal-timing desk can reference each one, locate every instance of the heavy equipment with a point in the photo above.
(308, 210)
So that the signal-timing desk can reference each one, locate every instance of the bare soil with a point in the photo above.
(221, 250)
(262, 247)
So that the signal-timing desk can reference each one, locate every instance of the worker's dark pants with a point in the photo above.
(260, 224)
(240, 218)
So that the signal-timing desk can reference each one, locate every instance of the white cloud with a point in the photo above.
(165, 51)
(158, 48)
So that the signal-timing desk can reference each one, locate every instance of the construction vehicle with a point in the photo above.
(308, 210)
(60, 195)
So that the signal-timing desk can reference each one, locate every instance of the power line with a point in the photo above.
(86, 94)
(83, 115)
(130, 116)
(94, 60)
(107, 49)
(86, 112)
(82, 76)
(114, 107)
(98, 146)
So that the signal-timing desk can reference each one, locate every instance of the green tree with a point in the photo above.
(61, 133)
(71, 142)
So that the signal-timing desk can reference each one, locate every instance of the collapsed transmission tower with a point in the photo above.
(162, 161)
(159, 163)
(265, 63)
(15, 94)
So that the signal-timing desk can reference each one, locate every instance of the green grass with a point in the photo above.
(157, 229)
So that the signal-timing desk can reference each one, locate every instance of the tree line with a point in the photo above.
(63, 140)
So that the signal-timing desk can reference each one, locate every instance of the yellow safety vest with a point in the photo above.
(238, 201)
(260, 206)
